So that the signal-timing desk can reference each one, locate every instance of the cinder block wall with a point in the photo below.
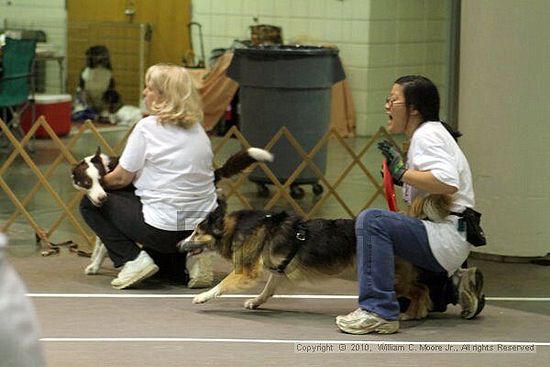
(379, 40)
(49, 16)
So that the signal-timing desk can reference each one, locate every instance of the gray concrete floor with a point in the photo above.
(86, 323)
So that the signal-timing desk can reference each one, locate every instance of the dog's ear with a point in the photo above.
(97, 157)
(73, 167)
(216, 221)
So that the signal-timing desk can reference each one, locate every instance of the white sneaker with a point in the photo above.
(135, 271)
(363, 322)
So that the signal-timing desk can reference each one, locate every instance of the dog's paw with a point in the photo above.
(253, 303)
(201, 298)
(91, 269)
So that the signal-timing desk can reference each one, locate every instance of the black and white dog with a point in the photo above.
(88, 173)
(96, 88)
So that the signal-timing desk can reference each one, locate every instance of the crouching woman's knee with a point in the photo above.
(87, 207)
(368, 218)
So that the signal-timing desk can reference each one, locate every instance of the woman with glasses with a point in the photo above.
(435, 164)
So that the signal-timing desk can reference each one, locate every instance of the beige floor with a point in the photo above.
(86, 323)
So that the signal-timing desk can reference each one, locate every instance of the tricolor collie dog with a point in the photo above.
(295, 250)
(96, 96)
(88, 173)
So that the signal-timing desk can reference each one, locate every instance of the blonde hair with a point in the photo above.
(180, 103)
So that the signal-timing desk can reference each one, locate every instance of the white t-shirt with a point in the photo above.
(174, 174)
(433, 149)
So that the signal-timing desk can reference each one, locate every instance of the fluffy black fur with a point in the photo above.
(328, 245)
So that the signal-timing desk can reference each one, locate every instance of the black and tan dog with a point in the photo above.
(296, 250)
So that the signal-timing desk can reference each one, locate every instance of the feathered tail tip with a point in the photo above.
(242, 160)
(260, 155)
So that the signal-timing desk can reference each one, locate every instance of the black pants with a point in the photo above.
(120, 225)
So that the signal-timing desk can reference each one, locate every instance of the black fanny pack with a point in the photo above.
(471, 219)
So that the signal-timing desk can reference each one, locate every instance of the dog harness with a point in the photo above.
(299, 238)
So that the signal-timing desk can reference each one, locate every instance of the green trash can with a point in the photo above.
(286, 86)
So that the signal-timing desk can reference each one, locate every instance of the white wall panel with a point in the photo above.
(46, 15)
(503, 112)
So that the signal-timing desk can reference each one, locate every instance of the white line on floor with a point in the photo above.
(294, 296)
(286, 341)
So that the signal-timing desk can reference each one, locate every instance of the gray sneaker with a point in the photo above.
(363, 322)
(470, 292)
(135, 271)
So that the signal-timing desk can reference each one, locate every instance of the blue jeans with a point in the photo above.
(381, 235)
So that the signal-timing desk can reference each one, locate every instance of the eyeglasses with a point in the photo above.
(390, 102)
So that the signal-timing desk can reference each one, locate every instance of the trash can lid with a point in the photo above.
(286, 66)
(287, 50)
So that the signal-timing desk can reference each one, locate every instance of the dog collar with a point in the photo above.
(301, 236)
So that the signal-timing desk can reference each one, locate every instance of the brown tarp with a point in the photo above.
(217, 90)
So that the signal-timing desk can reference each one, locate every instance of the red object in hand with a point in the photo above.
(388, 188)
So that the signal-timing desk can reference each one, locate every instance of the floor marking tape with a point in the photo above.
(288, 296)
(288, 341)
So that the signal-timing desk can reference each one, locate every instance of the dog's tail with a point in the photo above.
(240, 161)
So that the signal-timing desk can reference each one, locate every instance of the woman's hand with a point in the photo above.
(395, 162)
(118, 178)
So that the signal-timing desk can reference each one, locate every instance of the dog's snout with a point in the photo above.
(180, 245)
(98, 199)
(192, 246)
